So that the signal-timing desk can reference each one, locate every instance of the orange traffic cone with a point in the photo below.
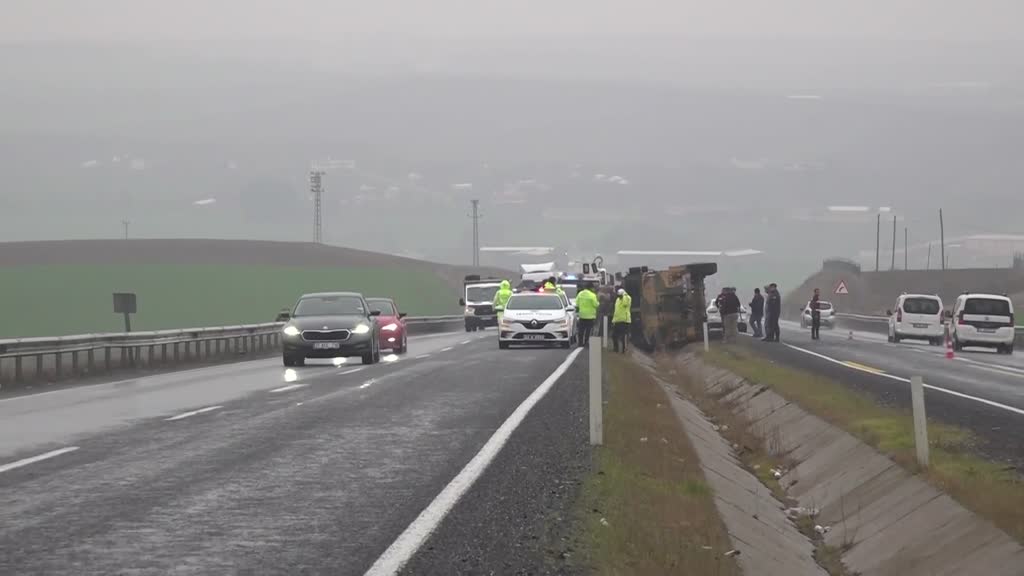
(949, 345)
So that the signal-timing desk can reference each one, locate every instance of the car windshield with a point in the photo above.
(987, 307)
(385, 307)
(329, 306)
(481, 293)
(921, 306)
(569, 289)
(534, 302)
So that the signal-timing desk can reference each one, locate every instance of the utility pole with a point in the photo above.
(929, 256)
(942, 239)
(317, 189)
(893, 265)
(878, 239)
(125, 223)
(906, 249)
(476, 232)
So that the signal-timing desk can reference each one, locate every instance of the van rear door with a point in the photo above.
(986, 314)
(921, 312)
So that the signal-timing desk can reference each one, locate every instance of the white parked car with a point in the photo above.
(715, 319)
(983, 320)
(828, 315)
(536, 318)
(917, 317)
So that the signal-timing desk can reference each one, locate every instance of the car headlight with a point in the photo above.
(467, 312)
(291, 331)
(361, 329)
(390, 327)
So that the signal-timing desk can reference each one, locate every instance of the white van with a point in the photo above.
(983, 320)
(917, 317)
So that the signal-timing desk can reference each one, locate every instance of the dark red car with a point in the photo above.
(392, 324)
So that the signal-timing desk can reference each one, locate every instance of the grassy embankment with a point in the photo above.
(72, 299)
(989, 489)
(647, 508)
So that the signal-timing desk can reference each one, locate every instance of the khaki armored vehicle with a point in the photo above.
(668, 305)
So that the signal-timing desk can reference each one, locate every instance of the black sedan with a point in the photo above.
(331, 325)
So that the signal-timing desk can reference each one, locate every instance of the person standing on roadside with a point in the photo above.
(815, 306)
(586, 308)
(621, 319)
(501, 298)
(757, 313)
(773, 310)
(729, 307)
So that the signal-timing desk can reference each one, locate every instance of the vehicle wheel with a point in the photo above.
(503, 345)
(468, 328)
(896, 338)
(1009, 349)
(288, 360)
(403, 346)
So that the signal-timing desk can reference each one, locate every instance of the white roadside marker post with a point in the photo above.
(596, 405)
(605, 337)
(920, 421)
(707, 344)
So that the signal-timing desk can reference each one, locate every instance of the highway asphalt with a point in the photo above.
(250, 468)
(976, 389)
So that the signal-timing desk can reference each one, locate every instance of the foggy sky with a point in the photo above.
(954, 20)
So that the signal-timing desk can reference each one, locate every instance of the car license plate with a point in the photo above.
(987, 330)
(534, 336)
(920, 325)
(326, 345)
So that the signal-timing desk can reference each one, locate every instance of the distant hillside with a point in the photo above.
(65, 287)
(875, 292)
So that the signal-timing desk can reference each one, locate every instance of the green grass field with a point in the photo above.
(68, 299)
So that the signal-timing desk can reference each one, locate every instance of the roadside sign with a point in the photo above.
(841, 288)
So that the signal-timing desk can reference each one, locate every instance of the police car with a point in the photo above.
(537, 317)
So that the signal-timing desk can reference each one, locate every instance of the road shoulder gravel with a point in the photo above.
(518, 517)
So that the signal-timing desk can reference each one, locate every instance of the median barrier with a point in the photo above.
(24, 361)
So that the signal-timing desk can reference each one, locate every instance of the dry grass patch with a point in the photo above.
(987, 488)
(648, 509)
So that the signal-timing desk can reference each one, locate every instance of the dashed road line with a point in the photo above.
(465, 342)
(287, 388)
(352, 371)
(34, 459)
(421, 356)
(446, 349)
(367, 384)
(193, 413)
(863, 367)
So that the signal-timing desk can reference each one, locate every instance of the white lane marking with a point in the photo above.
(352, 371)
(402, 549)
(287, 388)
(194, 412)
(422, 356)
(34, 459)
(465, 342)
(1016, 371)
(994, 370)
(446, 349)
(907, 381)
(367, 384)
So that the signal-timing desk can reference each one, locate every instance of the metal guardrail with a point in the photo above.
(68, 357)
(880, 324)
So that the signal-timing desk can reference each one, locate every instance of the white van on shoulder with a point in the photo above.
(917, 317)
(983, 320)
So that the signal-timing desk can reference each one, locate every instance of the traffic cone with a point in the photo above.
(949, 345)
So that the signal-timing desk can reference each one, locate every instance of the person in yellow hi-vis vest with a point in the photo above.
(586, 308)
(621, 319)
(501, 298)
